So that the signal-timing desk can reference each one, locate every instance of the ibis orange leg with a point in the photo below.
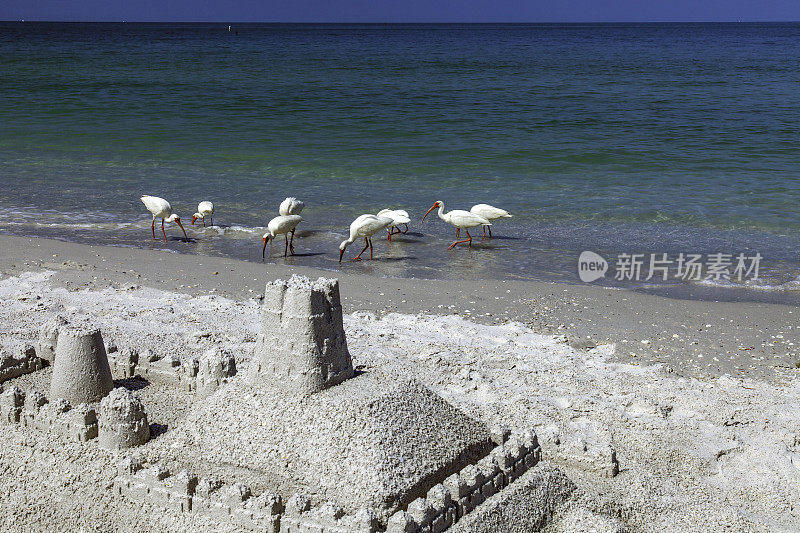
(366, 245)
(153, 227)
(162, 230)
(392, 231)
(468, 239)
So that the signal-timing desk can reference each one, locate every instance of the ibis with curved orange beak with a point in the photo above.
(160, 208)
(364, 226)
(204, 209)
(282, 224)
(460, 219)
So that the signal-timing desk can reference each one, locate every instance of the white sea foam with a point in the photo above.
(758, 285)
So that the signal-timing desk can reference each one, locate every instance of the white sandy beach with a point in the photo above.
(692, 452)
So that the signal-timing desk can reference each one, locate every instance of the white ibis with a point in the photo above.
(364, 226)
(160, 208)
(460, 219)
(489, 212)
(204, 209)
(398, 217)
(291, 206)
(282, 224)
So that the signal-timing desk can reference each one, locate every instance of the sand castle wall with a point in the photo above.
(34, 410)
(448, 502)
(443, 506)
(48, 337)
(18, 360)
(202, 375)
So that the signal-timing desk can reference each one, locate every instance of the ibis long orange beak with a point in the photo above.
(264, 249)
(341, 253)
(429, 210)
(193, 219)
(178, 221)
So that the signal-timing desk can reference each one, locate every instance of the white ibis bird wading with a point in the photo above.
(291, 206)
(398, 217)
(282, 224)
(204, 209)
(160, 208)
(490, 213)
(364, 226)
(460, 219)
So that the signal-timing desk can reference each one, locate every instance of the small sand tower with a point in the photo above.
(48, 336)
(123, 422)
(213, 368)
(302, 346)
(81, 373)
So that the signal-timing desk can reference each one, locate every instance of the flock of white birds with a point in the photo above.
(364, 226)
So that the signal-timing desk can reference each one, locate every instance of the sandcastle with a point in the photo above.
(325, 448)
(298, 442)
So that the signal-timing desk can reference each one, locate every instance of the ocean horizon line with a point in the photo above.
(406, 23)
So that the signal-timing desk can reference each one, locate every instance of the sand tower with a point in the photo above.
(81, 373)
(123, 422)
(48, 336)
(302, 346)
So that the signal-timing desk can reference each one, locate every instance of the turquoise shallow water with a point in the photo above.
(633, 138)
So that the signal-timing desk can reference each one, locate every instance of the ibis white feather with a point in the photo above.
(291, 206)
(204, 209)
(281, 225)
(460, 219)
(489, 212)
(398, 217)
(161, 208)
(364, 226)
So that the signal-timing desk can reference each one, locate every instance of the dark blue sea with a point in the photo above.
(615, 138)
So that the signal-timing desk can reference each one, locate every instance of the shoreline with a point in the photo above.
(418, 255)
(694, 338)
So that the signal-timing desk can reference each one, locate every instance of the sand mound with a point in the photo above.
(374, 440)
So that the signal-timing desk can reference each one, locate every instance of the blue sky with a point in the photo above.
(401, 11)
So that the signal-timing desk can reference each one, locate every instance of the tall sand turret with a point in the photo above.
(81, 373)
(302, 347)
